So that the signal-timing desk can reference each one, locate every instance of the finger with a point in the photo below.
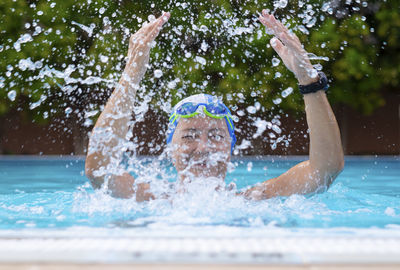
(143, 45)
(266, 21)
(271, 23)
(297, 51)
(288, 35)
(278, 46)
(274, 24)
(289, 41)
(147, 27)
(155, 30)
(160, 21)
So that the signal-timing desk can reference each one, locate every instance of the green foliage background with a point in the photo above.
(361, 40)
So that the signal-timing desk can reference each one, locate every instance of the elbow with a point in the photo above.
(89, 172)
(335, 166)
(335, 169)
(341, 166)
(338, 165)
(326, 175)
(89, 168)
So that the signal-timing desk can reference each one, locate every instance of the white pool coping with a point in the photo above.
(130, 246)
(266, 250)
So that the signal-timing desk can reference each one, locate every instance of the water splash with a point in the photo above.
(210, 48)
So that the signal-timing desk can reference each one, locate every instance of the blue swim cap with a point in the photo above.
(213, 106)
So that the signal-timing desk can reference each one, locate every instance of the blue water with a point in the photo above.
(54, 193)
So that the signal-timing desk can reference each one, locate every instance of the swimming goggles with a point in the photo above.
(216, 110)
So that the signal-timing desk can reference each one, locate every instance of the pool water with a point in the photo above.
(53, 193)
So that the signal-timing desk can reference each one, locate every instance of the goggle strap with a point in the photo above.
(173, 118)
(230, 124)
(188, 115)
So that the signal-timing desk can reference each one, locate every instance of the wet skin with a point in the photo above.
(201, 147)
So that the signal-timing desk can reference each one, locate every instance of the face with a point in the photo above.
(201, 146)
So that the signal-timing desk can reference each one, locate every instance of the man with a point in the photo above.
(201, 132)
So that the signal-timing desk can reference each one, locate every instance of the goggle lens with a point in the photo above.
(212, 108)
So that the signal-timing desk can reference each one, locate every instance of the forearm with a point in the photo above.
(326, 153)
(106, 143)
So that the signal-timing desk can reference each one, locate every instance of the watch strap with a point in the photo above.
(321, 84)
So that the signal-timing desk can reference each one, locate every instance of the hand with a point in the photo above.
(288, 47)
(139, 48)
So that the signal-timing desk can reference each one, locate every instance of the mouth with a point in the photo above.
(206, 162)
(200, 164)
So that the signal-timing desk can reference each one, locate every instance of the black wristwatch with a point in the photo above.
(321, 84)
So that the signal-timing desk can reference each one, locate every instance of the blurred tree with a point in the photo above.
(65, 56)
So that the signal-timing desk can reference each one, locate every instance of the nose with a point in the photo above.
(204, 144)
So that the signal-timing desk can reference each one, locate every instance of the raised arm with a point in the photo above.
(325, 153)
(109, 136)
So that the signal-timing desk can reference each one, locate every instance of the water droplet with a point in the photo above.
(23, 39)
(303, 29)
(68, 111)
(280, 4)
(91, 113)
(37, 103)
(276, 129)
(203, 28)
(275, 62)
(287, 92)
(204, 46)
(313, 73)
(85, 28)
(277, 101)
(312, 22)
(200, 60)
(11, 95)
(249, 166)
(325, 7)
(171, 84)
(158, 73)
(103, 58)
(251, 109)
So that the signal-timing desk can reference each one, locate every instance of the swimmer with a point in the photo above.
(200, 133)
